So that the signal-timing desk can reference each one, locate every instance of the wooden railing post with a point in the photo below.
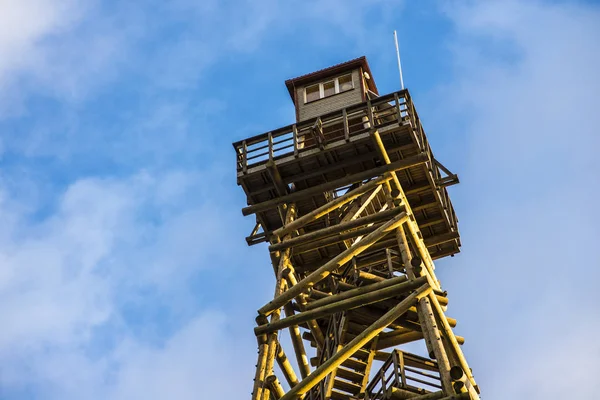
(397, 103)
(370, 114)
(244, 157)
(295, 138)
(270, 135)
(346, 129)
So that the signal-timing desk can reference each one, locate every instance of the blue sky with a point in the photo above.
(123, 269)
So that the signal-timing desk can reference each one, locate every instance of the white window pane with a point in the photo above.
(345, 82)
(328, 88)
(312, 93)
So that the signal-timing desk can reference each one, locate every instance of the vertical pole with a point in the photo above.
(398, 56)
(427, 320)
(268, 347)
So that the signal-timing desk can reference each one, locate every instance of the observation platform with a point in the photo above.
(314, 161)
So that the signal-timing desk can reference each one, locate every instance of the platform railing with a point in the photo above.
(318, 132)
(405, 371)
(346, 123)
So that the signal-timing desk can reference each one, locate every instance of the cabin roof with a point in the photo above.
(331, 71)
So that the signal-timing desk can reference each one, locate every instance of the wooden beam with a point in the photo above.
(454, 345)
(276, 388)
(315, 330)
(439, 239)
(343, 302)
(394, 393)
(298, 344)
(431, 334)
(333, 264)
(337, 183)
(280, 187)
(330, 206)
(268, 353)
(286, 367)
(355, 292)
(349, 349)
(334, 229)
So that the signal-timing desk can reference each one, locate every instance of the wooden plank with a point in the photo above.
(358, 177)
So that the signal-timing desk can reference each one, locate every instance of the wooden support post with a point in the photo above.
(315, 330)
(273, 344)
(431, 333)
(412, 225)
(454, 345)
(298, 344)
(359, 299)
(332, 265)
(263, 348)
(426, 317)
(377, 138)
(286, 367)
(267, 355)
(275, 386)
(359, 341)
(280, 187)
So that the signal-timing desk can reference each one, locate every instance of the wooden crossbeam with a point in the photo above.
(334, 229)
(359, 341)
(337, 183)
(333, 264)
(342, 302)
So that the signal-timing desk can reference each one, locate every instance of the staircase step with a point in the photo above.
(361, 354)
(350, 375)
(335, 395)
(355, 364)
(346, 386)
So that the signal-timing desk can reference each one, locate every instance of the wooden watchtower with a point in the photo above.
(354, 208)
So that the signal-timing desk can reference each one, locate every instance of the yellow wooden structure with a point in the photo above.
(354, 208)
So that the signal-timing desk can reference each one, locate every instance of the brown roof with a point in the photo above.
(334, 70)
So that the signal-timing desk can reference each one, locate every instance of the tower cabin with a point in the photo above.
(332, 89)
(330, 149)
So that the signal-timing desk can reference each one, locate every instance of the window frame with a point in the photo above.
(336, 86)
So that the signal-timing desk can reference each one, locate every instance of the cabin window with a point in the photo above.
(345, 83)
(328, 89)
(325, 89)
(313, 93)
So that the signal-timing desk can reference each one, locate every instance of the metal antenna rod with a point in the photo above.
(398, 55)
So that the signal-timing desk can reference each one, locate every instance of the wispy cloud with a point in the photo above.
(120, 277)
(525, 86)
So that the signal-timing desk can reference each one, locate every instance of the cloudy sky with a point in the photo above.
(123, 269)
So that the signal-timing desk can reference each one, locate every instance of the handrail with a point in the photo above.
(393, 373)
(343, 124)
(299, 137)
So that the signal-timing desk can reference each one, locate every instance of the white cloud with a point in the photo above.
(25, 24)
(528, 91)
(526, 87)
(110, 244)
